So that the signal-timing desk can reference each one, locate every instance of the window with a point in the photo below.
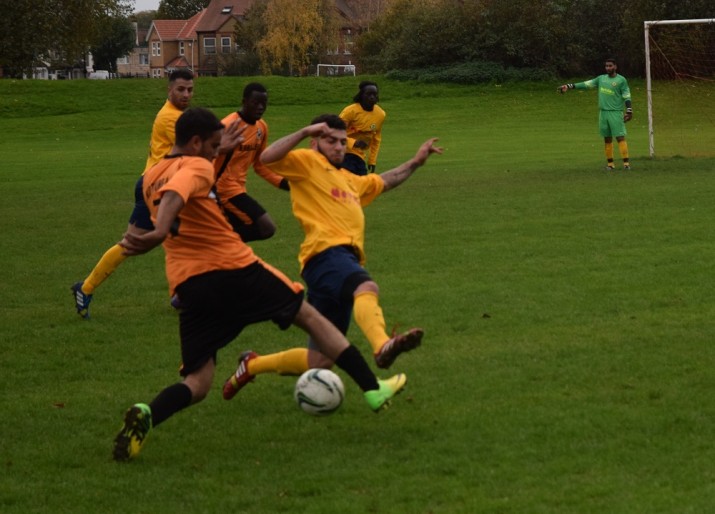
(123, 60)
(156, 73)
(156, 48)
(226, 10)
(225, 45)
(182, 51)
(209, 45)
(349, 43)
(143, 58)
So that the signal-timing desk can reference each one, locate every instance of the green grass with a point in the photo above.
(569, 314)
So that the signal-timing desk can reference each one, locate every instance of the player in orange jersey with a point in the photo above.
(245, 214)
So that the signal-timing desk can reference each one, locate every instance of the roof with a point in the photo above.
(175, 30)
(220, 11)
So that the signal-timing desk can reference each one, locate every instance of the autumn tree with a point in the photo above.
(292, 27)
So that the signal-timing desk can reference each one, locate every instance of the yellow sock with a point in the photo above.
(368, 316)
(288, 362)
(609, 152)
(110, 261)
(623, 148)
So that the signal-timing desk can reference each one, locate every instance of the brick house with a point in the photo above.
(172, 44)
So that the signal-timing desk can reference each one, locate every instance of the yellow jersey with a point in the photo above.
(327, 201)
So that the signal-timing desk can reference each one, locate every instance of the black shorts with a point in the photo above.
(140, 218)
(218, 305)
(242, 210)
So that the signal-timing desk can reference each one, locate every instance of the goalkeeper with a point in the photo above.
(613, 95)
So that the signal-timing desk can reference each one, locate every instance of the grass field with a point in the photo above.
(569, 316)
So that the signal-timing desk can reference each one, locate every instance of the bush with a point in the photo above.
(479, 72)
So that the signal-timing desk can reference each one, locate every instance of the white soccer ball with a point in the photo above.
(319, 392)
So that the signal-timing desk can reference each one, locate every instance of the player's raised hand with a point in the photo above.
(427, 149)
(232, 136)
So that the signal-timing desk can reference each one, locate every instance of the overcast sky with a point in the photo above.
(146, 5)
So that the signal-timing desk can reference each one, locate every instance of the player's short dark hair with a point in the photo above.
(182, 73)
(196, 121)
(251, 87)
(613, 60)
(332, 120)
(361, 90)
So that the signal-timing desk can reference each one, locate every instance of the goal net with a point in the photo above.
(680, 87)
(335, 70)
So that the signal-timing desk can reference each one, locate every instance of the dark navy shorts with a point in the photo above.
(332, 277)
(354, 164)
(140, 218)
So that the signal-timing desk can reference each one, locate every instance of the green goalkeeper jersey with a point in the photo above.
(612, 91)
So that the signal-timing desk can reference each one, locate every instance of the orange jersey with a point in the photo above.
(163, 134)
(201, 239)
(327, 201)
(232, 181)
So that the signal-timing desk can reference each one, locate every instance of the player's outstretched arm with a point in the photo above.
(280, 148)
(397, 176)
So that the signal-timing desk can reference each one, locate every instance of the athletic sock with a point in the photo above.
(110, 261)
(623, 149)
(288, 362)
(609, 153)
(368, 316)
(353, 363)
(170, 401)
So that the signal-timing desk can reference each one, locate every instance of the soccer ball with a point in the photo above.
(319, 392)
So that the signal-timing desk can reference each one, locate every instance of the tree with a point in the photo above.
(33, 31)
(180, 9)
(291, 26)
(247, 35)
(117, 40)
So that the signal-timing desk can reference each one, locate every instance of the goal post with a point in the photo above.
(677, 69)
(335, 70)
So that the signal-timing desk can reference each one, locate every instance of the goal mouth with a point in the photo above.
(680, 86)
(335, 70)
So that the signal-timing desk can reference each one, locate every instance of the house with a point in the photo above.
(136, 64)
(215, 32)
(172, 44)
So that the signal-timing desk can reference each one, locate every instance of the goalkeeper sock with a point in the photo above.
(288, 362)
(623, 148)
(110, 261)
(609, 154)
(368, 316)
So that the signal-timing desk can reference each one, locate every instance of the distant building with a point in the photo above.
(136, 64)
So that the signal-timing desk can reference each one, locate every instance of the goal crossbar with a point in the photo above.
(646, 31)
